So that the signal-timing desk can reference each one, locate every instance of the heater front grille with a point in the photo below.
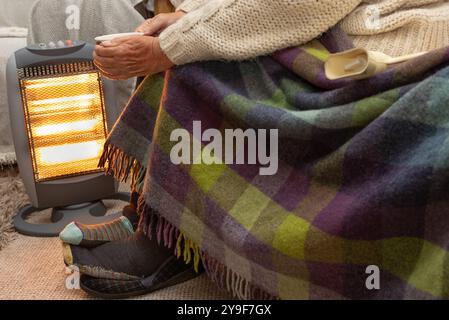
(56, 70)
(65, 119)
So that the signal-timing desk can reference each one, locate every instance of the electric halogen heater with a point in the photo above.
(60, 110)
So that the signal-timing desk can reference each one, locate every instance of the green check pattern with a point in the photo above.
(363, 174)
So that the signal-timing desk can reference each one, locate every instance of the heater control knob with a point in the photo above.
(52, 49)
(56, 45)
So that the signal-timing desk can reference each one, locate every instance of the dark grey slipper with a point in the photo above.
(170, 273)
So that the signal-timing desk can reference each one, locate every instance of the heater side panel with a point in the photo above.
(18, 127)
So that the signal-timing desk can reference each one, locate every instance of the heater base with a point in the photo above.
(86, 213)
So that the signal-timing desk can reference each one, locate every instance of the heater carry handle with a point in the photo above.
(43, 54)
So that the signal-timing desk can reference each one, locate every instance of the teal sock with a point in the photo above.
(80, 234)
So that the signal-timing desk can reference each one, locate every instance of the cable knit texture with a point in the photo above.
(244, 29)
(398, 27)
(190, 5)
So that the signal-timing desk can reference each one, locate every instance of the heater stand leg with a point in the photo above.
(87, 213)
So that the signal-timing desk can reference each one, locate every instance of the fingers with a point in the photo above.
(104, 64)
(103, 61)
(109, 75)
(118, 41)
(105, 52)
(153, 26)
(121, 60)
(156, 25)
(107, 67)
(144, 27)
(111, 48)
(114, 74)
(109, 57)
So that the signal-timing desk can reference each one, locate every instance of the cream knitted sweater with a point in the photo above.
(399, 27)
(244, 29)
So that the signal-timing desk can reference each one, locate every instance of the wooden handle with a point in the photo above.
(163, 6)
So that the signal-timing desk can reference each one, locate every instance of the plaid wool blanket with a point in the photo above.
(359, 206)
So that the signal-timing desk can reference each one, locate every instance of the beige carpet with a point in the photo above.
(32, 268)
(12, 197)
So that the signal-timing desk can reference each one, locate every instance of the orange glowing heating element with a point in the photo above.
(66, 124)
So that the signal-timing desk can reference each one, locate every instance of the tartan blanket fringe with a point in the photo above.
(121, 166)
(171, 237)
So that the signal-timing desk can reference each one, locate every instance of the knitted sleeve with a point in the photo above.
(380, 16)
(244, 29)
(190, 5)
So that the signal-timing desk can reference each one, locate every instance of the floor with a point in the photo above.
(33, 268)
